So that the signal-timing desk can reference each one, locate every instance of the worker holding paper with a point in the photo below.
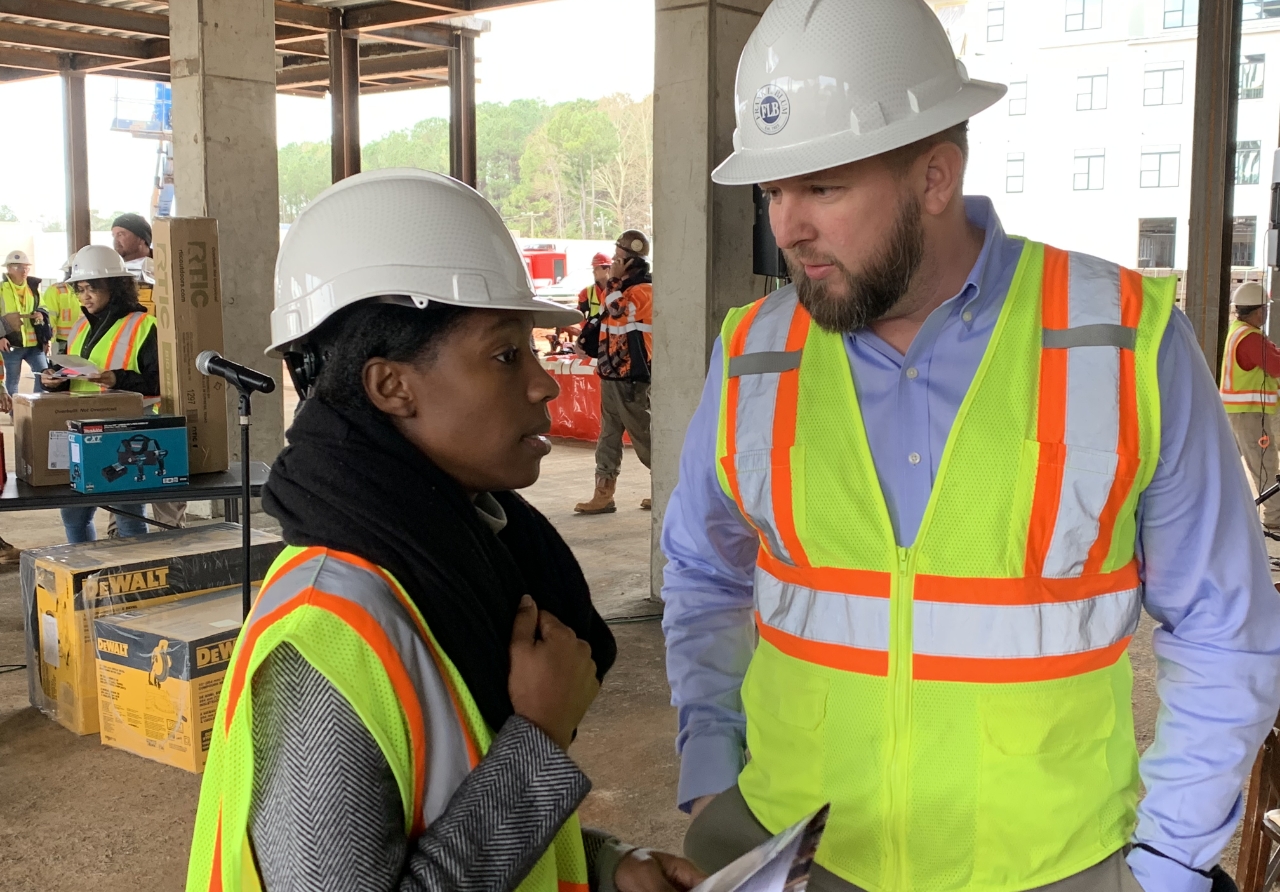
(941, 475)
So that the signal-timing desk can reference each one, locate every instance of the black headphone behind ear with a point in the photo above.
(304, 365)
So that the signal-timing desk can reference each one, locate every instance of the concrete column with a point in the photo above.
(76, 152)
(462, 109)
(702, 232)
(224, 146)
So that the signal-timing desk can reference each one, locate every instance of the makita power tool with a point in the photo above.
(138, 452)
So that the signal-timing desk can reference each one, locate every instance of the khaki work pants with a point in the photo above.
(624, 405)
(727, 829)
(1249, 427)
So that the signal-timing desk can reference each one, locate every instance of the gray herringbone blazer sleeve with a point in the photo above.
(326, 812)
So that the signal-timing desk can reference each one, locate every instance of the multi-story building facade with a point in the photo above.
(1091, 148)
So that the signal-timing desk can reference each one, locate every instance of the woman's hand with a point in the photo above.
(50, 379)
(6, 402)
(643, 870)
(553, 678)
(106, 379)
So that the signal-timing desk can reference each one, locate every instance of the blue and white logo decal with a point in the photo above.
(772, 108)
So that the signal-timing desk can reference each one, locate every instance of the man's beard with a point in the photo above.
(871, 294)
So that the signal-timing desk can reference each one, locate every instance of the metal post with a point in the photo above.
(462, 109)
(76, 148)
(1213, 147)
(246, 549)
(344, 101)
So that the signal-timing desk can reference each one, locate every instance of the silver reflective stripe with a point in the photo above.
(448, 762)
(1092, 425)
(1092, 336)
(763, 363)
(988, 631)
(757, 405)
(118, 358)
(849, 620)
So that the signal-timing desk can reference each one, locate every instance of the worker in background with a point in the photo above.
(18, 302)
(1249, 384)
(923, 475)
(622, 362)
(9, 554)
(64, 309)
(117, 335)
(399, 705)
(591, 298)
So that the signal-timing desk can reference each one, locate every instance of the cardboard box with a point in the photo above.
(40, 425)
(188, 308)
(66, 587)
(132, 453)
(160, 672)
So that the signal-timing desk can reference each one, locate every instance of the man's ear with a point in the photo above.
(943, 175)
(386, 384)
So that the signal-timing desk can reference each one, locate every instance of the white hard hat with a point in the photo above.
(1249, 295)
(402, 233)
(823, 83)
(17, 257)
(97, 262)
(66, 264)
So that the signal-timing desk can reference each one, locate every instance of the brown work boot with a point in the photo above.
(646, 504)
(9, 554)
(602, 501)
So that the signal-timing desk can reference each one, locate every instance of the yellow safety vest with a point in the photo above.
(63, 306)
(963, 702)
(117, 350)
(23, 302)
(1245, 391)
(354, 622)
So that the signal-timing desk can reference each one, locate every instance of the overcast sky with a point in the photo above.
(563, 49)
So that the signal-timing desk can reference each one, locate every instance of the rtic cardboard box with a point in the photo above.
(188, 309)
(129, 453)
(160, 671)
(66, 587)
(40, 425)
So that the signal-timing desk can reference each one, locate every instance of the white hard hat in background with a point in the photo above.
(97, 262)
(1249, 294)
(66, 264)
(17, 257)
(404, 233)
(823, 83)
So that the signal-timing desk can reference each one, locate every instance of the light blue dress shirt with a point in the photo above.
(1206, 577)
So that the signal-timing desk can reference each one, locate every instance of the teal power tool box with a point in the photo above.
(128, 453)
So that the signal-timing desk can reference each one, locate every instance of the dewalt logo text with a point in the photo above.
(128, 583)
(107, 646)
(214, 653)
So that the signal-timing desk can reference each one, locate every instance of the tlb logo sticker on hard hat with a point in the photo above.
(773, 108)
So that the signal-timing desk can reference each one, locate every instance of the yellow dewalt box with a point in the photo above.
(160, 672)
(66, 587)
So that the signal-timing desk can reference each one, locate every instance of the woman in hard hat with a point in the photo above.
(117, 335)
(398, 706)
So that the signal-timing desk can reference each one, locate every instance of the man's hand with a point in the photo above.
(6, 402)
(553, 678)
(643, 870)
(699, 804)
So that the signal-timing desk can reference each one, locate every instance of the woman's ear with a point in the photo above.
(387, 386)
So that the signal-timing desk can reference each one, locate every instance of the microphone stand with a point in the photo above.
(246, 548)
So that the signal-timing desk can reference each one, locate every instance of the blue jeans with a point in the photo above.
(13, 367)
(78, 523)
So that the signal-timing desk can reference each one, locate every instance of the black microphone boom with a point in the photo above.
(211, 362)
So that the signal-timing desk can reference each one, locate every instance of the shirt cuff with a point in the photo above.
(709, 765)
(1156, 874)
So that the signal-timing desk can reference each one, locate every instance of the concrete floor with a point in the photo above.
(77, 815)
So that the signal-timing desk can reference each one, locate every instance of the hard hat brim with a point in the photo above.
(747, 167)
(90, 276)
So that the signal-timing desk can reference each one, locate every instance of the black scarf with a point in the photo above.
(349, 481)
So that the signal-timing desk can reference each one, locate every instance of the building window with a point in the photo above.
(1091, 92)
(1014, 171)
(1252, 9)
(1244, 235)
(1180, 13)
(1018, 98)
(1162, 84)
(1084, 15)
(995, 21)
(1089, 169)
(1252, 71)
(1159, 168)
(1248, 162)
(1155, 242)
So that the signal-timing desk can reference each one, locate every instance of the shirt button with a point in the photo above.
(912, 373)
(966, 316)
(914, 458)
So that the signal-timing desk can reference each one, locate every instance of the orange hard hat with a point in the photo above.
(601, 260)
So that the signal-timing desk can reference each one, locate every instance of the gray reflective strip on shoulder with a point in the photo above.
(1101, 335)
(763, 363)
(448, 762)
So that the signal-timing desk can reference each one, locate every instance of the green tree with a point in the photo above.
(502, 133)
(99, 222)
(584, 139)
(7, 215)
(305, 172)
(425, 145)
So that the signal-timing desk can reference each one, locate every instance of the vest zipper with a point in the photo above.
(900, 651)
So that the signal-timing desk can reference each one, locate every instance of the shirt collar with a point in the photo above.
(979, 289)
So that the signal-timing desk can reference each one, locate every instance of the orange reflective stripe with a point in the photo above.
(1051, 415)
(834, 656)
(240, 658)
(215, 872)
(1024, 590)
(293, 563)
(566, 886)
(1128, 447)
(736, 347)
(871, 583)
(1018, 669)
(133, 343)
(784, 437)
(115, 341)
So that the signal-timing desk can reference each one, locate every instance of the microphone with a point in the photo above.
(211, 362)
